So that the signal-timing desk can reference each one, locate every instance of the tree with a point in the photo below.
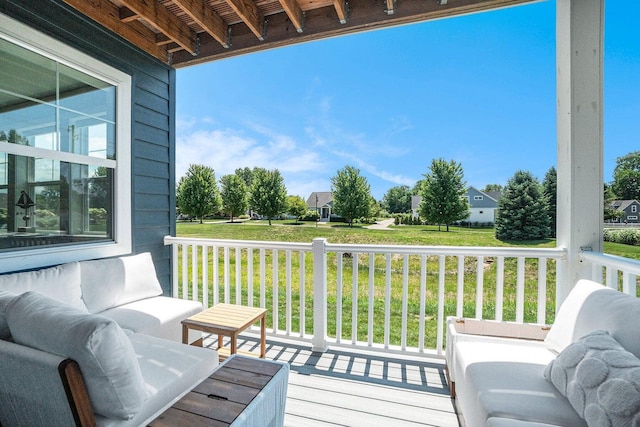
(443, 192)
(351, 194)
(626, 177)
(197, 192)
(397, 199)
(550, 193)
(522, 213)
(268, 193)
(610, 214)
(493, 188)
(234, 195)
(296, 206)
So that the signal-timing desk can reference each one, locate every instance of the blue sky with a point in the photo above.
(478, 89)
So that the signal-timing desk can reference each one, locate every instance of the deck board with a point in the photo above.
(348, 388)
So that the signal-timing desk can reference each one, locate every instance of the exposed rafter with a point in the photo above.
(390, 7)
(207, 18)
(108, 15)
(188, 32)
(170, 25)
(341, 9)
(250, 15)
(294, 12)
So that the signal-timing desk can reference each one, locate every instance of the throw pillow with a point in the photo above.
(5, 299)
(61, 283)
(103, 351)
(112, 282)
(600, 379)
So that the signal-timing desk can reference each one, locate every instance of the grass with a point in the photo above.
(350, 291)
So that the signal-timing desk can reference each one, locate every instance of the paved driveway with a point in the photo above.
(382, 225)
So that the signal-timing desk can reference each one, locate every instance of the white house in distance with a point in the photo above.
(483, 205)
(321, 202)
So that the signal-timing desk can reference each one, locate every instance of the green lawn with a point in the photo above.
(401, 235)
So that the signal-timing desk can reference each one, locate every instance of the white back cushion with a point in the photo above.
(590, 307)
(103, 351)
(5, 299)
(112, 282)
(61, 283)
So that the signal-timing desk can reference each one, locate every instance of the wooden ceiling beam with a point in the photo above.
(207, 18)
(108, 15)
(294, 12)
(341, 9)
(170, 25)
(390, 7)
(250, 15)
(364, 15)
(127, 15)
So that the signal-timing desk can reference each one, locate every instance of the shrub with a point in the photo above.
(626, 236)
(311, 215)
(46, 219)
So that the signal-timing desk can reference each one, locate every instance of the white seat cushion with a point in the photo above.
(169, 371)
(506, 381)
(158, 316)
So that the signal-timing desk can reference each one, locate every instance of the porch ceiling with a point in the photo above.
(188, 32)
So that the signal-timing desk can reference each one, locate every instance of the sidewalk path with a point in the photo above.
(382, 225)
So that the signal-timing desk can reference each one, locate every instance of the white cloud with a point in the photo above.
(226, 150)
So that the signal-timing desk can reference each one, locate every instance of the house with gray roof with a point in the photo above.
(483, 205)
(321, 202)
(628, 208)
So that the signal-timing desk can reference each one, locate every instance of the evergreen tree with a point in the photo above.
(550, 193)
(234, 195)
(268, 193)
(522, 213)
(351, 194)
(443, 192)
(296, 206)
(197, 192)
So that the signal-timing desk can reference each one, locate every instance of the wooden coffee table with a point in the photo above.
(227, 320)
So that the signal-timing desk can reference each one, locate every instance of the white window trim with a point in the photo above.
(16, 32)
(634, 208)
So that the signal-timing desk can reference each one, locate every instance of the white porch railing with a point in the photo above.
(614, 271)
(383, 296)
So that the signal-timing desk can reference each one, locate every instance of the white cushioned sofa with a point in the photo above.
(94, 342)
(584, 371)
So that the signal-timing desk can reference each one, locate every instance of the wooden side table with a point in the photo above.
(227, 320)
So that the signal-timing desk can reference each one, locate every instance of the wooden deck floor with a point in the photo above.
(346, 388)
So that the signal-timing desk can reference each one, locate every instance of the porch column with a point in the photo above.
(579, 62)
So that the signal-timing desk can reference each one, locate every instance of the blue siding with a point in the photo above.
(153, 112)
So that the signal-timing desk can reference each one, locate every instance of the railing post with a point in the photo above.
(319, 340)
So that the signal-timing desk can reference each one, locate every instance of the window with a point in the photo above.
(478, 197)
(64, 144)
(632, 217)
(634, 208)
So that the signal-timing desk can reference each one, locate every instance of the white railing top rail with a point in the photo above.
(558, 252)
(625, 264)
(254, 244)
